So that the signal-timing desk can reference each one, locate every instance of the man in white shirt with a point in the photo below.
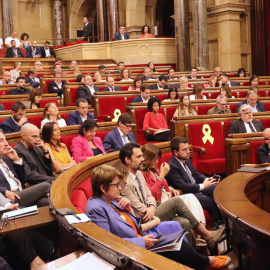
(145, 94)
(88, 89)
(47, 51)
(6, 78)
(12, 37)
(121, 35)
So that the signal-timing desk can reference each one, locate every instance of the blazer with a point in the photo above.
(155, 86)
(17, 170)
(10, 53)
(197, 77)
(151, 78)
(29, 52)
(264, 153)
(116, 88)
(81, 149)
(137, 99)
(31, 167)
(117, 36)
(43, 53)
(178, 178)
(9, 126)
(29, 80)
(215, 110)
(237, 126)
(87, 30)
(259, 106)
(74, 118)
(53, 88)
(114, 141)
(84, 92)
(234, 83)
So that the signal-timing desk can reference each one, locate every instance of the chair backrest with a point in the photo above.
(203, 109)
(130, 98)
(73, 96)
(253, 148)
(8, 104)
(226, 128)
(265, 122)
(36, 120)
(164, 158)
(102, 134)
(140, 113)
(170, 113)
(233, 108)
(267, 106)
(43, 102)
(67, 140)
(47, 85)
(243, 94)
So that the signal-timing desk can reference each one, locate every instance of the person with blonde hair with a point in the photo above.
(184, 82)
(16, 72)
(184, 107)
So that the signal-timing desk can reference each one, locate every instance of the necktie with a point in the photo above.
(192, 180)
(140, 187)
(251, 127)
(33, 52)
(15, 51)
(10, 174)
(125, 139)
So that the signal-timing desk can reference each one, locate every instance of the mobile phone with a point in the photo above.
(159, 236)
(216, 177)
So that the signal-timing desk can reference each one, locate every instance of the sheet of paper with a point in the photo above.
(22, 212)
(89, 261)
(71, 219)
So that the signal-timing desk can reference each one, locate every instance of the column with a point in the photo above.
(100, 20)
(58, 22)
(182, 42)
(113, 17)
(7, 18)
(200, 34)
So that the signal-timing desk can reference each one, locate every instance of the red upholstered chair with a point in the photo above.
(101, 88)
(262, 83)
(73, 96)
(36, 120)
(243, 94)
(162, 97)
(130, 98)
(170, 113)
(8, 104)
(47, 85)
(102, 134)
(226, 128)
(267, 106)
(64, 116)
(253, 148)
(262, 93)
(214, 95)
(70, 44)
(67, 140)
(244, 83)
(203, 109)
(2, 120)
(125, 87)
(265, 122)
(233, 108)
(1, 92)
(5, 92)
(234, 93)
(23, 53)
(43, 102)
(72, 80)
(81, 41)
(214, 159)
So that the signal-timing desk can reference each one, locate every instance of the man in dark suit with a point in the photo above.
(225, 80)
(145, 94)
(121, 35)
(32, 78)
(161, 83)
(47, 51)
(147, 75)
(252, 100)
(20, 90)
(33, 51)
(264, 150)
(88, 89)
(246, 123)
(121, 66)
(57, 86)
(110, 84)
(87, 29)
(16, 120)
(36, 158)
(171, 74)
(193, 74)
(13, 52)
(121, 135)
(184, 176)
(79, 116)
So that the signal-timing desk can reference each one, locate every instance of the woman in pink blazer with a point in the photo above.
(86, 145)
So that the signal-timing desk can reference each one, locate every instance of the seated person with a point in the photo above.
(120, 136)
(102, 70)
(120, 65)
(73, 64)
(13, 51)
(13, 36)
(80, 78)
(16, 120)
(110, 85)
(184, 83)
(86, 145)
(33, 79)
(58, 151)
(161, 83)
(97, 77)
(20, 90)
(264, 150)
(47, 51)
(252, 100)
(35, 97)
(25, 42)
(121, 34)
(147, 74)
(51, 114)
(33, 51)
(172, 94)
(57, 86)
(226, 91)
(193, 74)
(242, 73)
(212, 82)
(198, 92)
(16, 72)
(88, 89)
(145, 94)
(77, 71)
(38, 65)
(82, 114)
(254, 80)
(146, 32)
(184, 107)
(224, 78)
(255, 89)
(171, 74)
(136, 84)
(125, 75)
(152, 67)
(221, 106)
(155, 121)
(246, 123)
(6, 78)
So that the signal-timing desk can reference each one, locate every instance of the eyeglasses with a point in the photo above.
(117, 185)
(128, 126)
(223, 104)
(267, 139)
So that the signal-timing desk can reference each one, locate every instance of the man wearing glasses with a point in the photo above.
(161, 83)
(221, 106)
(121, 135)
(264, 150)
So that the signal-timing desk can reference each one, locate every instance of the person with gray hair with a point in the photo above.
(246, 123)
(221, 106)
(217, 71)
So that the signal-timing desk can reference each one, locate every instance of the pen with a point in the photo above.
(76, 216)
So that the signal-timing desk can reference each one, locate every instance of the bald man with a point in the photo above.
(6, 78)
(36, 158)
(264, 150)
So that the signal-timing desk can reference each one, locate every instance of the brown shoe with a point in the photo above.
(215, 236)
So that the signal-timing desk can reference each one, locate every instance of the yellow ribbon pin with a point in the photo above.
(206, 130)
(116, 115)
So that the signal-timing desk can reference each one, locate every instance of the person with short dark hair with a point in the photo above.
(13, 51)
(120, 65)
(80, 78)
(264, 150)
(87, 30)
(110, 84)
(171, 74)
(172, 94)
(242, 72)
(121, 34)
(87, 144)
(25, 42)
(57, 86)
(33, 79)
(87, 90)
(193, 74)
(145, 94)
(47, 51)
(16, 120)
(151, 65)
(224, 79)
(121, 135)
(20, 90)
(35, 97)
(33, 51)
(102, 70)
(254, 80)
(81, 114)
(146, 32)
(147, 74)
(161, 83)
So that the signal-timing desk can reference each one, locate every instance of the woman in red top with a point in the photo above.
(146, 32)
(156, 122)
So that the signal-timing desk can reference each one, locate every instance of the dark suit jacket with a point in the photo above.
(237, 126)
(151, 78)
(137, 99)
(263, 153)
(178, 178)
(117, 36)
(197, 77)
(260, 106)
(29, 52)
(29, 80)
(87, 30)
(234, 83)
(17, 91)
(155, 86)
(17, 170)
(116, 88)
(10, 53)
(84, 92)
(59, 91)
(74, 118)
(43, 53)
(30, 166)
(9, 126)
(114, 141)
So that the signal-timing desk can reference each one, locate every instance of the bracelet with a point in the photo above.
(45, 153)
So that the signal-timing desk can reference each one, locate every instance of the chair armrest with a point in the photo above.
(199, 150)
(103, 118)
